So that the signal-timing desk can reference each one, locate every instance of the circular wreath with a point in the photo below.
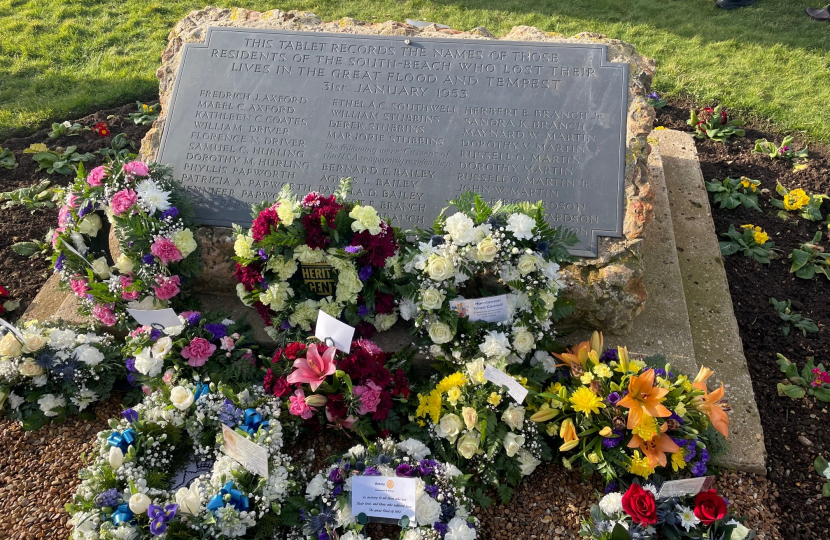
(442, 508)
(481, 251)
(52, 371)
(157, 248)
(208, 344)
(291, 237)
(174, 438)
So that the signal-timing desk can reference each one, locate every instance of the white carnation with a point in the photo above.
(521, 226)
(495, 345)
(148, 365)
(89, 355)
(408, 309)
(461, 229)
(61, 339)
(427, 510)
(457, 529)
(611, 504)
(415, 449)
(316, 487)
(49, 402)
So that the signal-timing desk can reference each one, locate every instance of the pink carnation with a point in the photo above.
(168, 376)
(73, 199)
(96, 175)
(126, 281)
(123, 201)
(198, 352)
(79, 286)
(56, 236)
(136, 168)
(166, 250)
(167, 288)
(369, 397)
(140, 330)
(104, 314)
(227, 343)
(64, 215)
(298, 405)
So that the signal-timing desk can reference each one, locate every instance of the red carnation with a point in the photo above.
(383, 433)
(249, 276)
(365, 329)
(384, 303)
(263, 311)
(378, 248)
(264, 221)
(276, 356)
(294, 350)
(401, 386)
(268, 383)
(709, 507)
(281, 387)
(336, 406)
(639, 504)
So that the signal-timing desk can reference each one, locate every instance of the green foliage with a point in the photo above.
(785, 151)
(147, 114)
(714, 124)
(58, 161)
(32, 197)
(7, 160)
(655, 101)
(809, 259)
(32, 249)
(807, 205)
(120, 148)
(68, 129)
(799, 322)
(734, 192)
(823, 468)
(745, 242)
(801, 383)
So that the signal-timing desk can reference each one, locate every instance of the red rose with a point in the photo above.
(709, 507)
(639, 504)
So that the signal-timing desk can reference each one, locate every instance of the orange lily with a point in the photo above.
(568, 433)
(700, 379)
(579, 354)
(643, 398)
(656, 448)
(710, 404)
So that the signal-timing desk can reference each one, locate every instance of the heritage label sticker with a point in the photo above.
(385, 497)
(489, 309)
(681, 488)
(157, 318)
(249, 454)
(500, 378)
(329, 327)
(319, 277)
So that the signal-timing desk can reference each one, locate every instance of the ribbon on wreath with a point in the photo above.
(252, 422)
(200, 390)
(228, 494)
(122, 440)
(122, 514)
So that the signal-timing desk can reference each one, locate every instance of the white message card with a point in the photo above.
(329, 327)
(248, 453)
(157, 318)
(689, 486)
(385, 497)
(489, 309)
(500, 378)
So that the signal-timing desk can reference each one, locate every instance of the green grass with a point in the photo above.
(60, 60)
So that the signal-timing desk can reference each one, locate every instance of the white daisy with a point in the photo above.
(152, 197)
(687, 516)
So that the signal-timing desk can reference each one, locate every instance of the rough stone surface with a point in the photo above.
(609, 289)
(53, 303)
(717, 341)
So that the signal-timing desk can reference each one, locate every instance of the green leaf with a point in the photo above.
(820, 464)
(825, 490)
(821, 393)
(620, 533)
(791, 390)
(26, 249)
(729, 248)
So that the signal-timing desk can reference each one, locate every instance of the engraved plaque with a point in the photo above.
(414, 124)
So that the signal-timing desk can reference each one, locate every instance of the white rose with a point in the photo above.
(181, 398)
(161, 347)
(495, 345)
(432, 298)
(147, 365)
(124, 264)
(457, 529)
(9, 346)
(468, 444)
(514, 417)
(486, 250)
(189, 499)
(101, 268)
(61, 339)
(521, 226)
(139, 503)
(440, 333)
(29, 368)
(548, 299)
(475, 371)
(527, 264)
(523, 340)
(89, 355)
(116, 457)
(440, 268)
(449, 427)
(33, 342)
(512, 443)
(527, 463)
(90, 225)
(460, 228)
(427, 510)
(470, 417)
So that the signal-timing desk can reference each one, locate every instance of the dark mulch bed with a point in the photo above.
(795, 431)
(24, 277)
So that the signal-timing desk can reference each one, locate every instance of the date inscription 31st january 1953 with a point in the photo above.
(414, 122)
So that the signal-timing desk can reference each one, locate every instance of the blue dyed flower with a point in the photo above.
(148, 259)
(230, 415)
(362, 311)
(365, 273)
(441, 528)
(218, 331)
(194, 318)
(171, 213)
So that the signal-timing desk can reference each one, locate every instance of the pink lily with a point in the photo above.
(313, 369)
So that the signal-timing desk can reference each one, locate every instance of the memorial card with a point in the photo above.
(329, 327)
(249, 454)
(500, 378)
(384, 497)
(689, 486)
(489, 309)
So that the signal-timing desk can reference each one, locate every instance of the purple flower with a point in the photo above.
(611, 442)
(171, 213)
(155, 333)
(353, 249)
(362, 311)
(660, 372)
(371, 471)
(612, 486)
(336, 476)
(432, 490)
(159, 517)
(426, 467)
(365, 273)
(130, 415)
(130, 363)
(609, 356)
(229, 414)
(59, 261)
(336, 491)
(406, 470)
(704, 455)
(285, 325)
(110, 497)
(323, 535)
(441, 528)
(676, 418)
(613, 398)
(217, 330)
(699, 469)
(131, 379)
(148, 259)
(85, 210)
(262, 254)
(653, 95)
(690, 453)
(436, 240)
(194, 318)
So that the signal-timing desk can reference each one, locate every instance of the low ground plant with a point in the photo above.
(7, 160)
(147, 114)
(786, 151)
(714, 124)
(734, 192)
(120, 148)
(806, 205)
(783, 307)
(33, 198)
(809, 259)
(66, 129)
(751, 240)
(813, 380)
(58, 161)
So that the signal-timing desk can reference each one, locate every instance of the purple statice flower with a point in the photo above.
(262, 254)
(704, 456)
(285, 325)
(131, 379)
(691, 452)
(365, 273)
(362, 311)
(323, 535)
(427, 466)
(155, 333)
(229, 414)
(217, 330)
(613, 398)
(130, 415)
(609, 356)
(130, 363)
(59, 262)
(612, 486)
(432, 490)
(148, 259)
(110, 497)
(698, 469)
(679, 441)
(353, 249)
(406, 470)
(676, 418)
(336, 476)
(440, 528)
(371, 471)
(612, 442)
(85, 210)
(194, 318)
(660, 372)
(171, 213)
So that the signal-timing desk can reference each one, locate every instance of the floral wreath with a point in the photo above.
(442, 508)
(157, 248)
(127, 492)
(481, 251)
(355, 391)
(208, 344)
(51, 371)
(320, 236)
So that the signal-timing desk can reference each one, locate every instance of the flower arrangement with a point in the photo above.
(806, 205)
(131, 489)
(751, 240)
(734, 192)
(714, 124)
(485, 250)
(49, 372)
(637, 514)
(320, 253)
(157, 249)
(354, 391)
(617, 415)
(472, 421)
(203, 345)
(442, 509)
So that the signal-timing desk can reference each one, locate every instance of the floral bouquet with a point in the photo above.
(472, 421)
(203, 345)
(638, 515)
(481, 251)
(442, 510)
(321, 253)
(157, 250)
(132, 489)
(617, 415)
(352, 391)
(49, 372)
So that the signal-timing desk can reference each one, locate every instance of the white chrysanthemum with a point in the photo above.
(151, 197)
(495, 345)
(427, 510)
(687, 516)
(611, 504)
(61, 339)
(89, 355)
(461, 229)
(415, 449)
(521, 226)
(49, 402)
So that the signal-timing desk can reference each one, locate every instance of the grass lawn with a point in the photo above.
(63, 59)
